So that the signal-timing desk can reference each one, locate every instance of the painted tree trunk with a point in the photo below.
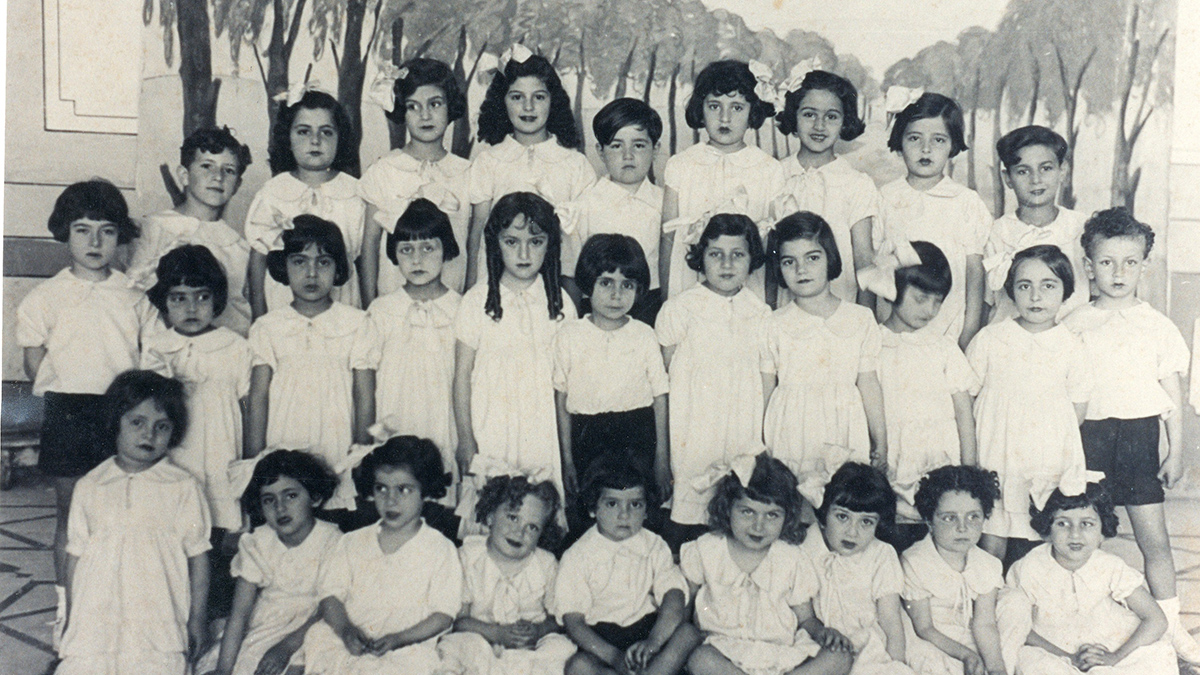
(579, 81)
(998, 183)
(650, 75)
(279, 52)
(1036, 74)
(974, 120)
(1124, 185)
(1071, 88)
(462, 143)
(351, 72)
(397, 132)
(672, 92)
(200, 90)
(623, 74)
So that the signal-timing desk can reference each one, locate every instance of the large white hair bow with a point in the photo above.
(880, 277)
(764, 77)
(297, 91)
(797, 74)
(382, 90)
(898, 98)
(518, 52)
(741, 466)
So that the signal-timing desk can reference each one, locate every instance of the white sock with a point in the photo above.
(1185, 645)
(60, 617)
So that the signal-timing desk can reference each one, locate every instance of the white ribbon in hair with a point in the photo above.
(297, 91)
(741, 466)
(880, 277)
(518, 52)
(382, 90)
(797, 74)
(898, 98)
(691, 228)
(764, 76)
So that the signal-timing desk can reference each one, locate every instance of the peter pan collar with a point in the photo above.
(546, 152)
(162, 471)
(289, 188)
(647, 193)
(171, 341)
(445, 166)
(746, 158)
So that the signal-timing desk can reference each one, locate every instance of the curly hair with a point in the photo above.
(613, 472)
(603, 253)
(310, 229)
(930, 105)
(540, 214)
(771, 483)
(1053, 257)
(863, 489)
(1113, 223)
(933, 275)
(422, 72)
(720, 78)
(133, 387)
(728, 224)
(279, 151)
(422, 220)
(511, 491)
(418, 456)
(1096, 496)
(803, 225)
(214, 141)
(981, 484)
(311, 472)
(852, 124)
(494, 123)
(95, 199)
(190, 265)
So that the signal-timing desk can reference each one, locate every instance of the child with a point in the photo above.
(625, 201)
(533, 144)
(965, 619)
(506, 625)
(504, 356)
(277, 566)
(929, 206)
(609, 380)
(313, 380)
(619, 593)
(823, 352)
(427, 100)
(723, 175)
(390, 589)
(312, 148)
(857, 606)
(1090, 608)
(211, 164)
(822, 111)
(1036, 383)
(416, 328)
(714, 348)
(1139, 355)
(138, 543)
(752, 586)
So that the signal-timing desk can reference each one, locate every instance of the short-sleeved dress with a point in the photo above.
(284, 197)
(385, 593)
(716, 401)
(815, 418)
(1025, 418)
(215, 370)
(133, 534)
(495, 597)
(1010, 234)
(394, 181)
(748, 617)
(1086, 606)
(312, 393)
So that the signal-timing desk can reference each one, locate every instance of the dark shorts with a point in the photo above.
(1126, 451)
(624, 637)
(646, 308)
(72, 435)
(629, 434)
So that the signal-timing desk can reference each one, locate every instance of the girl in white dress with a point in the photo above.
(312, 148)
(752, 585)
(312, 385)
(823, 352)
(1036, 383)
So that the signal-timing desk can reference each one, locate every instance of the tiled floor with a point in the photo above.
(27, 575)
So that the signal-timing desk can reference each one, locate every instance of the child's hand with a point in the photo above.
(1092, 655)
(639, 655)
(357, 642)
(662, 475)
(276, 659)
(832, 640)
(465, 453)
(519, 635)
(570, 481)
(973, 665)
(1171, 470)
(385, 644)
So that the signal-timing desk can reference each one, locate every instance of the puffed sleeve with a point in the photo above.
(261, 229)
(32, 321)
(673, 174)
(863, 199)
(666, 574)
(659, 382)
(978, 225)
(147, 249)
(806, 582)
(446, 580)
(372, 187)
(468, 324)
(249, 563)
(671, 325)
(482, 179)
(1123, 579)
(366, 349)
(193, 520)
(984, 573)
(562, 359)
(769, 347)
(572, 594)
(79, 527)
(149, 320)
(872, 345)
(154, 360)
(977, 354)
(337, 574)
(1173, 353)
(583, 177)
(1079, 373)
(960, 376)
(550, 573)
(888, 578)
(691, 564)
(241, 363)
(262, 348)
(916, 569)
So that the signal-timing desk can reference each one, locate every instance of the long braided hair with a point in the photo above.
(538, 212)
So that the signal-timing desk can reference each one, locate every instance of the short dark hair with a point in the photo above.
(733, 225)
(190, 265)
(626, 112)
(932, 275)
(511, 491)
(422, 220)
(536, 211)
(863, 489)
(1113, 223)
(603, 253)
(1095, 496)
(981, 484)
(726, 77)
(852, 124)
(215, 141)
(310, 229)
(311, 472)
(421, 72)
(279, 152)
(613, 472)
(771, 483)
(95, 199)
(1054, 258)
(804, 225)
(494, 124)
(930, 105)
(418, 456)
(1009, 147)
(129, 389)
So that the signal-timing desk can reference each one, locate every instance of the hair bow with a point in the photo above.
(382, 90)
(741, 466)
(297, 91)
(518, 52)
(898, 98)
(764, 89)
(880, 277)
(241, 471)
(798, 72)
(692, 228)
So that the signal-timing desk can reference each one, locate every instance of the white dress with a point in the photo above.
(394, 181)
(1010, 234)
(312, 393)
(748, 617)
(608, 208)
(716, 401)
(495, 597)
(215, 370)
(133, 534)
(1025, 418)
(284, 197)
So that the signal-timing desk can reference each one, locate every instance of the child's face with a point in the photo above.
(1074, 535)
(425, 114)
(957, 523)
(523, 248)
(848, 532)
(819, 121)
(754, 524)
(619, 513)
(288, 508)
(314, 139)
(1035, 177)
(190, 309)
(726, 264)
(397, 497)
(726, 119)
(420, 261)
(629, 156)
(926, 147)
(212, 179)
(144, 436)
(515, 532)
(528, 105)
(311, 273)
(804, 267)
(916, 308)
(1117, 265)
(92, 244)
(1037, 293)
(613, 295)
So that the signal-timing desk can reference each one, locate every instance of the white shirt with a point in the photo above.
(1010, 234)
(556, 173)
(608, 370)
(609, 208)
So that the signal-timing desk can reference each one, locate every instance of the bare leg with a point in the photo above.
(674, 654)
(584, 663)
(825, 663)
(708, 660)
(1150, 530)
(63, 489)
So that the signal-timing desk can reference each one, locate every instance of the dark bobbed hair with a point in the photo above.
(539, 212)
(932, 275)
(309, 471)
(852, 124)
(930, 105)
(981, 484)
(863, 489)
(418, 456)
(613, 472)
(1054, 258)
(1095, 496)
(804, 225)
(422, 220)
(129, 389)
(190, 265)
(626, 112)
(726, 77)
(1113, 223)
(431, 72)
(95, 199)
(279, 152)
(494, 124)
(733, 225)
(771, 483)
(215, 141)
(1009, 147)
(310, 229)
(603, 253)
(511, 491)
